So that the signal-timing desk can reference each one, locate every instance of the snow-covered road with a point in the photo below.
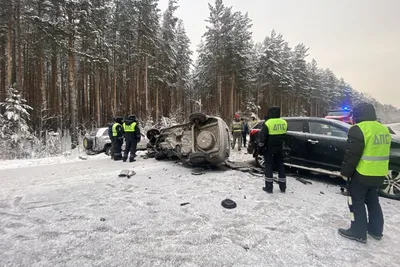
(81, 214)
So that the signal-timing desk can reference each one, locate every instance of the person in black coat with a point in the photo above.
(271, 144)
(363, 189)
(117, 138)
(132, 137)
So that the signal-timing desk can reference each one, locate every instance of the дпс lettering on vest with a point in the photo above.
(381, 139)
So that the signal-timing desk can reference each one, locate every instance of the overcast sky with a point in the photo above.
(358, 39)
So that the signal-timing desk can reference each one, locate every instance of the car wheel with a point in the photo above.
(391, 185)
(198, 158)
(108, 150)
(198, 118)
(151, 134)
(87, 143)
(260, 160)
(159, 156)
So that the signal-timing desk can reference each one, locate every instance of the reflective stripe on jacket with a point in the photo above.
(237, 126)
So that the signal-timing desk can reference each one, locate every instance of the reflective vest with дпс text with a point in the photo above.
(129, 128)
(276, 126)
(114, 129)
(375, 158)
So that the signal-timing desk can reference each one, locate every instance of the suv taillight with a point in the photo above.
(253, 131)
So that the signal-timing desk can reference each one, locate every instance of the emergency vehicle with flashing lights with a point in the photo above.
(344, 114)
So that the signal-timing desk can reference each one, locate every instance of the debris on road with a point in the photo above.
(184, 204)
(302, 180)
(228, 203)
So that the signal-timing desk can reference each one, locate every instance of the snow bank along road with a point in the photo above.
(82, 214)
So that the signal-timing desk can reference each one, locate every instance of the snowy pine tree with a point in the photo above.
(15, 131)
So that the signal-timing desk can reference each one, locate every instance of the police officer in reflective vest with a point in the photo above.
(365, 165)
(237, 131)
(132, 137)
(117, 138)
(272, 136)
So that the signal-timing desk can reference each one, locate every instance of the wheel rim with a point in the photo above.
(261, 160)
(391, 185)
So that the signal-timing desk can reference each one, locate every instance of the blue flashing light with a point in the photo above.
(345, 108)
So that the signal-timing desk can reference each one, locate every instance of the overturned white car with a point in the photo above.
(204, 140)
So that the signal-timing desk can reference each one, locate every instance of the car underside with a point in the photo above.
(203, 140)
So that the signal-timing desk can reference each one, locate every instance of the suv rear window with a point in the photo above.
(339, 113)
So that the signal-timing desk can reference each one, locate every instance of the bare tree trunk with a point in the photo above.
(19, 48)
(146, 63)
(231, 108)
(54, 87)
(3, 69)
(157, 103)
(9, 44)
(72, 92)
(97, 88)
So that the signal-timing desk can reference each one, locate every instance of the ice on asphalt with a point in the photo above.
(80, 213)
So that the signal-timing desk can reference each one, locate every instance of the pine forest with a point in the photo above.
(71, 65)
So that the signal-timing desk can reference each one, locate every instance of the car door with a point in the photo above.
(296, 140)
(326, 143)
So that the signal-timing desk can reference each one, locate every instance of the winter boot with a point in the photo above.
(374, 236)
(117, 158)
(282, 187)
(350, 235)
(132, 159)
(125, 159)
(268, 187)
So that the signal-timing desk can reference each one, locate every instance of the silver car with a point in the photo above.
(98, 141)
(204, 140)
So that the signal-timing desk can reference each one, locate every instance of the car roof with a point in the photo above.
(317, 119)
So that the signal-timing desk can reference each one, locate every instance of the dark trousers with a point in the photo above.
(117, 148)
(112, 147)
(130, 146)
(244, 139)
(359, 195)
(274, 159)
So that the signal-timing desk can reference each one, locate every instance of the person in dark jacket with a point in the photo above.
(110, 134)
(118, 135)
(272, 136)
(132, 137)
(245, 131)
(365, 165)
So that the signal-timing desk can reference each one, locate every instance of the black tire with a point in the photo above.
(391, 185)
(159, 156)
(87, 143)
(151, 134)
(228, 204)
(108, 150)
(198, 118)
(198, 158)
(260, 161)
